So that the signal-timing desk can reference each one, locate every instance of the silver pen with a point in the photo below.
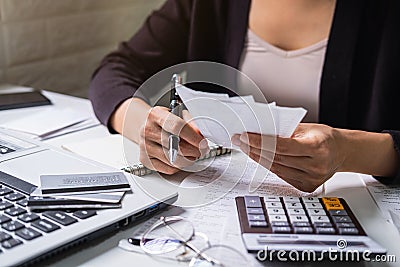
(175, 107)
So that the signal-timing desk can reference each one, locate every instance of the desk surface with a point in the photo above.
(105, 252)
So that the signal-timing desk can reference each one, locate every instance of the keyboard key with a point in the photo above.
(256, 217)
(5, 191)
(10, 243)
(281, 229)
(23, 202)
(277, 218)
(248, 210)
(14, 196)
(313, 212)
(258, 223)
(341, 219)
(28, 217)
(274, 205)
(45, 225)
(5, 205)
(252, 202)
(345, 225)
(298, 218)
(28, 233)
(271, 199)
(4, 236)
(325, 230)
(296, 212)
(275, 211)
(303, 230)
(12, 226)
(315, 219)
(322, 224)
(348, 231)
(338, 212)
(310, 200)
(15, 211)
(4, 219)
(60, 217)
(313, 206)
(84, 214)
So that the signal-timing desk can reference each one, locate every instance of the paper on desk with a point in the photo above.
(219, 117)
(47, 121)
(387, 197)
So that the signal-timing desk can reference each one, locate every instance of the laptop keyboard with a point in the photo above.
(19, 225)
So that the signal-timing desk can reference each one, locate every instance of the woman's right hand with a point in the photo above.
(153, 141)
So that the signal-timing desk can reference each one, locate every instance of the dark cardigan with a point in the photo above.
(360, 80)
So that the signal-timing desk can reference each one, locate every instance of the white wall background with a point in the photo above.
(57, 44)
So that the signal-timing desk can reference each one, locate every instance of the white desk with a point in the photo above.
(106, 253)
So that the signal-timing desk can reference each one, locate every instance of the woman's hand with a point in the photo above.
(306, 160)
(153, 141)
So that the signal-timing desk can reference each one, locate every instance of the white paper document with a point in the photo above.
(386, 197)
(219, 116)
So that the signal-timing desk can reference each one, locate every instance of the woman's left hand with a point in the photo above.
(306, 160)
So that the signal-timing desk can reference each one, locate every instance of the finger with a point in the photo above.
(158, 165)
(185, 149)
(175, 125)
(281, 145)
(260, 160)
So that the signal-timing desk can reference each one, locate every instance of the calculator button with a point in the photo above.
(303, 230)
(310, 200)
(28, 233)
(5, 191)
(333, 206)
(12, 226)
(4, 236)
(301, 224)
(291, 199)
(28, 217)
(322, 224)
(23, 202)
(325, 230)
(313, 212)
(275, 211)
(315, 219)
(60, 217)
(256, 217)
(258, 223)
(45, 226)
(313, 205)
(330, 200)
(281, 229)
(15, 211)
(348, 231)
(252, 202)
(338, 212)
(248, 210)
(271, 199)
(14, 196)
(4, 219)
(298, 218)
(5, 205)
(341, 219)
(10, 243)
(282, 223)
(345, 225)
(278, 218)
(296, 212)
(294, 205)
(84, 214)
(273, 204)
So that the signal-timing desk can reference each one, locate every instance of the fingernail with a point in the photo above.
(236, 140)
(203, 145)
(244, 138)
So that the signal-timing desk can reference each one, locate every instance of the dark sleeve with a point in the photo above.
(396, 140)
(162, 41)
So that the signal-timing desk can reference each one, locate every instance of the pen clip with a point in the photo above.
(175, 81)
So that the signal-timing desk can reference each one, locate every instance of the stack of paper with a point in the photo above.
(99, 190)
(219, 116)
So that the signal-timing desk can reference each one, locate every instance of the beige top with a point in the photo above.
(289, 78)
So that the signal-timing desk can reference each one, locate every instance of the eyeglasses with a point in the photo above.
(170, 234)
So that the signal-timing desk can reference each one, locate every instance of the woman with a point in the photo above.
(348, 50)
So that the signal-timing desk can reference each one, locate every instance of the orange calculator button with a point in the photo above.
(334, 206)
(330, 200)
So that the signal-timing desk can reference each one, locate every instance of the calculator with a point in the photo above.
(301, 223)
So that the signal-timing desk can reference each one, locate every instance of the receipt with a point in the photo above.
(219, 116)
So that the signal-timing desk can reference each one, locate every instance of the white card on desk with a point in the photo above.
(83, 183)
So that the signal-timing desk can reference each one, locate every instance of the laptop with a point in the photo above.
(26, 236)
